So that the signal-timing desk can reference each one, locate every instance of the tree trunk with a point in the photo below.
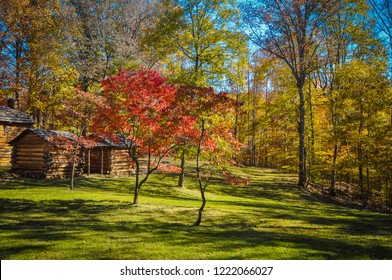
(102, 162)
(332, 190)
(360, 158)
(335, 123)
(137, 188)
(204, 201)
(139, 183)
(71, 186)
(199, 176)
(89, 162)
(301, 135)
(84, 121)
(265, 164)
(387, 193)
(237, 112)
(182, 174)
(367, 175)
(360, 174)
(312, 138)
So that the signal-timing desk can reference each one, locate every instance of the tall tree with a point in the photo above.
(200, 42)
(210, 136)
(382, 11)
(33, 65)
(137, 111)
(290, 30)
(106, 36)
(348, 34)
(364, 90)
(200, 39)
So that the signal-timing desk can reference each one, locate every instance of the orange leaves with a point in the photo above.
(141, 106)
(155, 116)
(166, 167)
(235, 180)
(71, 143)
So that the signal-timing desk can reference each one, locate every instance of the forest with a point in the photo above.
(302, 86)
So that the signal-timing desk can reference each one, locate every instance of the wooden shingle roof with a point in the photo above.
(105, 142)
(12, 116)
(45, 135)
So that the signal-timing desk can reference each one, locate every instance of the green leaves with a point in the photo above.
(199, 41)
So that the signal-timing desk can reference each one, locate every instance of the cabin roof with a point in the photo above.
(45, 134)
(106, 142)
(9, 115)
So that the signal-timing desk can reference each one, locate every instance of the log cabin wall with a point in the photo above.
(121, 164)
(7, 133)
(28, 156)
(35, 157)
(58, 164)
(12, 123)
(109, 161)
(115, 161)
(99, 161)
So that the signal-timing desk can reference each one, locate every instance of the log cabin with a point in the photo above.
(108, 158)
(12, 123)
(35, 155)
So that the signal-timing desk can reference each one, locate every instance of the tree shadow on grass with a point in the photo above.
(346, 220)
(58, 207)
(32, 183)
(57, 221)
(320, 247)
(6, 253)
(52, 221)
(117, 185)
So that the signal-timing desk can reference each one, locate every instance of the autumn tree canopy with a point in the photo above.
(135, 108)
(311, 80)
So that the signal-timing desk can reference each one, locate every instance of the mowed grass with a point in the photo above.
(269, 219)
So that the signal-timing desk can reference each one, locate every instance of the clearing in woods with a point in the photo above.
(268, 219)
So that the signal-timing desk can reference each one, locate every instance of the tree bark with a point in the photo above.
(102, 162)
(89, 162)
(360, 173)
(311, 159)
(136, 190)
(199, 176)
(72, 176)
(332, 190)
(204, 201)
(182, 174)
(301, 135)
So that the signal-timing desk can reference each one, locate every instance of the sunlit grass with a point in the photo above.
(269, 219)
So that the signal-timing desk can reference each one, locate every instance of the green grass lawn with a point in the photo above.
(269, 219)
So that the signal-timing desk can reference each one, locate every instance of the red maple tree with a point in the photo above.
(73, 147)
(138, 108)
(211, 135)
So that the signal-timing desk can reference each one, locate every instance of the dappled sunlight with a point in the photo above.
(269, 219)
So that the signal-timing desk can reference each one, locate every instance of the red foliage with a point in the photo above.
(78, 110)
(235, 180)
(165, 167)
(202, 103)
(72, 145)
(140, 109)
(137, 105)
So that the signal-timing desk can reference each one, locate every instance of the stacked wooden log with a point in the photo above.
(34, 156)
(12, 123)
(108, 158)
(121, 163)
(7, 133)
